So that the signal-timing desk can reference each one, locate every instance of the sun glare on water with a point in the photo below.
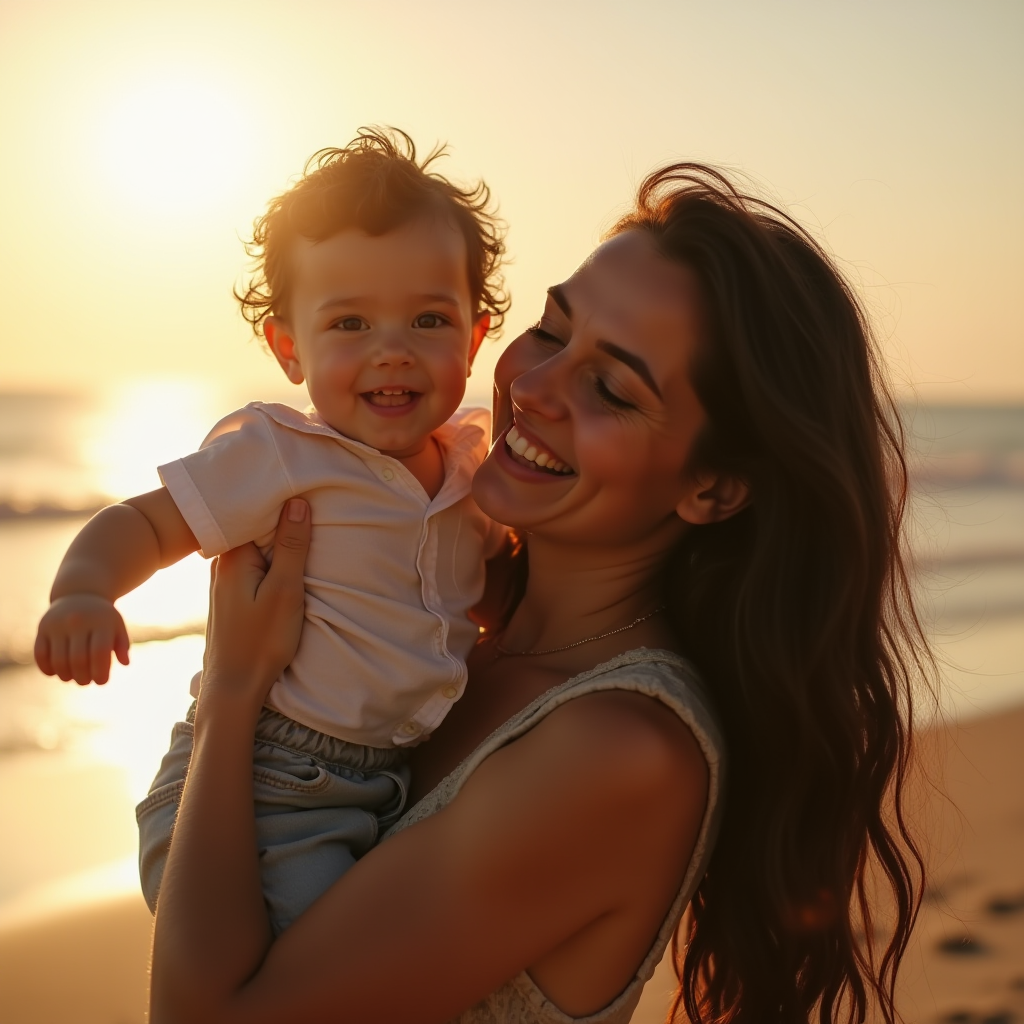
(173, 144)
(143, 423)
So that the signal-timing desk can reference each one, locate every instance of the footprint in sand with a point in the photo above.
(962, 945)
(966, 1017)
(1004, 906)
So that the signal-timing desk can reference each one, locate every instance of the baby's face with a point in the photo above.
(382, 330)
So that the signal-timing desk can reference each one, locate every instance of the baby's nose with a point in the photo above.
(394, 349)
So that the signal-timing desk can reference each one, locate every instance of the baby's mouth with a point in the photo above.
(389, 397)
(531, 454)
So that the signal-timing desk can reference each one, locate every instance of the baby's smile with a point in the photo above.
(391, 397)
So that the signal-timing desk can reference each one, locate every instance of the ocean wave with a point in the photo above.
(970, 560)
(46, 510)
(977, 469)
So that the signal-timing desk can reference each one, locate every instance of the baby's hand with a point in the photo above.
(77, 636)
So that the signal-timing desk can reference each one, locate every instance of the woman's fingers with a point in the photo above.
(281, 597)
(255, 612)
(291, 543)
(240, 570)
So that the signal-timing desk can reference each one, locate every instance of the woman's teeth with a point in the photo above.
(391, 396)
(533, 454)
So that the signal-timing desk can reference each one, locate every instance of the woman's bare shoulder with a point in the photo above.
(602, 756)
(635, 744)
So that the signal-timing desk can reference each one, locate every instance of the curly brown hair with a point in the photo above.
(374, 184)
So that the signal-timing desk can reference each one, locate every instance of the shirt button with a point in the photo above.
(451, 692)
(388, 473)
(439, 632)
(410, 729)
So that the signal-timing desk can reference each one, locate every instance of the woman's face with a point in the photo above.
(595, 415)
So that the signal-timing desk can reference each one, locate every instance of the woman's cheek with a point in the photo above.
(631, 474)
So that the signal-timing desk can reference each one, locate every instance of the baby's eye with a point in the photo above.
(352, 323)
(429, 321)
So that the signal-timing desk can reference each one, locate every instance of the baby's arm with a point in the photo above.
(118, 549)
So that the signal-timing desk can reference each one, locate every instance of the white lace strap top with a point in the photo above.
(665, 677)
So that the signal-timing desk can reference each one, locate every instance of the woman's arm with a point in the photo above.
(554, 840)
(211, 926)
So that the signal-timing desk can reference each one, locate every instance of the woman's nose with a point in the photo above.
(542, 389)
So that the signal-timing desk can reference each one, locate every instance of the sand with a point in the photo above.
(84, 960)
(966, 965)
(87, 964)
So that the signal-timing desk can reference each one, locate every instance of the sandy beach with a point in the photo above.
(78, 953)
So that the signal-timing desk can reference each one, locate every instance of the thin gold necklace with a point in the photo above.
(600, 636)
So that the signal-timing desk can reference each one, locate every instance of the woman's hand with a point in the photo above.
(255, 612)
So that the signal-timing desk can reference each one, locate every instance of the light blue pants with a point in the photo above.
(320, 805)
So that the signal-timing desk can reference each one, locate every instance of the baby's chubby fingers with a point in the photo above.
(78, 657)
(101, 643)
(76, 636)
(121, 641)
(59, 656)
(41, 652)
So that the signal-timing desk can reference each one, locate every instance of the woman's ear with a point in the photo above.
(282, 344)
(712, 498)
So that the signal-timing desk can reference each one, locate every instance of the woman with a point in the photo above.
(735, 497)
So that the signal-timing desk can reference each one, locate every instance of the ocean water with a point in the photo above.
(67, 751)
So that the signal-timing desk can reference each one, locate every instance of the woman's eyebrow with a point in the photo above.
(634, 362)
(558, 296)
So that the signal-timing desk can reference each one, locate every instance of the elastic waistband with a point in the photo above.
(282, 731)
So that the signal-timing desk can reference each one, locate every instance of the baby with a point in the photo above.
(376, 283)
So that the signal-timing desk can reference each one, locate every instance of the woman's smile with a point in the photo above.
(528, 451)
(519, 467)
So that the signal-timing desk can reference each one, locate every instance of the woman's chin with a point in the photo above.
(505, 499)
(491, 494)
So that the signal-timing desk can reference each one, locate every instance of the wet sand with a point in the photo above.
(84, 960)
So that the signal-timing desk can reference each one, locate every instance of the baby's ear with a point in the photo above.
(480, 329)
(282, 344)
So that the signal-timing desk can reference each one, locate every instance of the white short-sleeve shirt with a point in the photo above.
(390, 576)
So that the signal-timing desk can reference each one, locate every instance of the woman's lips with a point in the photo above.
(528, 452)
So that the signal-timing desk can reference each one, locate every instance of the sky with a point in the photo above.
(140, 140)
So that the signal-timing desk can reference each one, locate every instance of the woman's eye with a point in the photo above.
(609, 397)
(429, 321)
(541, 335)
(352, 323)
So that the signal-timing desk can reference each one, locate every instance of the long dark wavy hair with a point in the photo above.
(799, 614)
